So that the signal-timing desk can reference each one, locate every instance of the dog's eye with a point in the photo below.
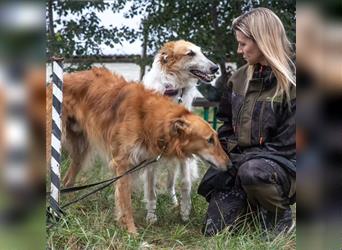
(211, 140)
(191, 53)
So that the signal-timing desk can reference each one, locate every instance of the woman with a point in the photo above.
(258, 111)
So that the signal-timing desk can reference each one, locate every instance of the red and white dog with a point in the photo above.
(127, 124)
(175, 72)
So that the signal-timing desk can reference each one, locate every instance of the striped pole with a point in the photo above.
(57, 100)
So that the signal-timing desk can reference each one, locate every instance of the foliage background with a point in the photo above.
(207, 23)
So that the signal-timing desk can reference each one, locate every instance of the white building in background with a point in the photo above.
(130, 71)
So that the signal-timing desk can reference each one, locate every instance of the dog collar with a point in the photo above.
(169, 91)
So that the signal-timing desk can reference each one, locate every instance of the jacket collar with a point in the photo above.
(264, 75)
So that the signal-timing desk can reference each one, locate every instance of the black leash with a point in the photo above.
(106, 183)
(78, 188)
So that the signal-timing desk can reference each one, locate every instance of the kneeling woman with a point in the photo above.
(258, 110)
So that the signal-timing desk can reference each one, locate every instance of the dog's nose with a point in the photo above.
(214, 69)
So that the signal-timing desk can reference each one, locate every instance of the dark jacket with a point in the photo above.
(251, 127)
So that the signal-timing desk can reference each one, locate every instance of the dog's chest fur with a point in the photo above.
(160, 81)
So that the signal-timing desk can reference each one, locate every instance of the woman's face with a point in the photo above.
(249, 49)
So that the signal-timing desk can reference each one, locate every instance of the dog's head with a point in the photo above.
(192, 135)
(186, 59)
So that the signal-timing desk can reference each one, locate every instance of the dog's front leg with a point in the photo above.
(150, 194)
(185, 203)
(123, 200)
(171, 180)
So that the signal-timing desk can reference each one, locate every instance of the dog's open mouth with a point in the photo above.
(202, 76)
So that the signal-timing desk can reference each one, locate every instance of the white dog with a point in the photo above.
(175, 72)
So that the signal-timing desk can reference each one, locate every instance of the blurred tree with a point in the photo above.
(81, 33)
(206, 23)
(286, 10)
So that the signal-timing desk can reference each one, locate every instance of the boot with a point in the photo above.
(225, 207)
(276, 223)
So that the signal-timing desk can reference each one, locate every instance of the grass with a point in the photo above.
(90, 224)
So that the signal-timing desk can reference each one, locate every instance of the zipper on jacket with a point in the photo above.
(237, 122)
(261, 139)
(261, 114)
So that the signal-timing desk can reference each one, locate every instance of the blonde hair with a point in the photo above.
(267, 30)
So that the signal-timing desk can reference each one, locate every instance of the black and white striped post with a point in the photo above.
(57, 100)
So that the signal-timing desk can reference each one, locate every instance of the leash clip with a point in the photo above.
(158, 157)
(161, 153)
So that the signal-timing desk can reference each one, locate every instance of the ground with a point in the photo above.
(90, 224)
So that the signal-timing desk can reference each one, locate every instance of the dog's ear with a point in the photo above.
(180, 126)
(163, 58)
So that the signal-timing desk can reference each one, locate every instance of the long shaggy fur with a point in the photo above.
(172, 69)
(128, 124)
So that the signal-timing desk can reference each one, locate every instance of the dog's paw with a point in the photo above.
(127, 225)
(174, 201)
(132, 231)
(185, 217)
(151, 218)
(185, 212)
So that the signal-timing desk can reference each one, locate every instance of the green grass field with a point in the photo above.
(90, 224)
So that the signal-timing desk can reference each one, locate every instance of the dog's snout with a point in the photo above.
(214, 69)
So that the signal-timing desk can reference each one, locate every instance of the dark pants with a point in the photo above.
(267, 187)
(266, 184)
